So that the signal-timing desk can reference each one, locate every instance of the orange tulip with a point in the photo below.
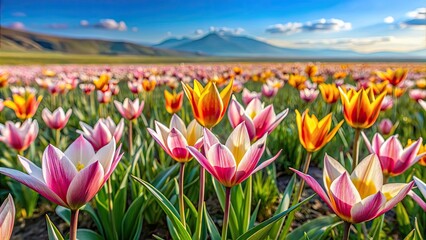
(25, 106)
(361, 108)
(314, 133)
(102, 82)
(340, 75)
(421, 83)
(311, 70)
(208, 105)
(173, 101)
(318, 79)
(149, 85)
(422, 149)
(297, 81)
(379, 88)
(330, 93)
(393, 76)
(4, 76)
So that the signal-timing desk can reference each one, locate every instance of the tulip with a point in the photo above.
(249, 96)
(258, 119)
(174, 141)
(48, 73)
(56, 120)
(360, 196)
(87, 88)
(4, 76)
(7, 218)
(208, 105)
(232, 163)
(104, 97)
(103, 132)
(297, 81)
(149, 85)
(102, 83)
(385, 126)
(330, 93)
(19, 136)
(394, 77)
(387, 103)
(309, 95)
(173, 101)
(71, 178)
(360, 108)
(422, 150)
(24, 106)
(318, 79)
(130, 110)
(394, 159)
(135, 86)
(417, 94)
(314, 133)
(311, 70)
(422, 187)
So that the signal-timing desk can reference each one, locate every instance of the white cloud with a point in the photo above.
(135, 29)
(19, 14)
(353, 41)
(84, 23)
(417, 19)
(388, 19)
(321, 25)
(198, 32)
(111, 24)
(226, 30)
(17, 26)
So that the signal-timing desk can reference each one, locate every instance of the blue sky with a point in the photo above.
(353, 24)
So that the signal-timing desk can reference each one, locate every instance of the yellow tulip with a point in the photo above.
(149, 85)
(314, 133)
(24, 106)
(173, 101)
(208, 105)
(361, 108)
(393, 76)
(311, 70)
(102, 82)
(330, 93)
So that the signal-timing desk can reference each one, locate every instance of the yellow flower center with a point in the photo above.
(79, 166)
(365, 188)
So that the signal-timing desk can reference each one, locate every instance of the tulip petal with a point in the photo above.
(177, 122)
(238, 142)
(389, 189)
(332, 170)
(222, 160)
(104, 156)
(7, 218)
(316, 187)
(250, 160)
(34, 184)
(80, 151)
(408, 157)
(159, 139)
(420, 185)
(368, 208)
(85, 185)
(345, 195)
(202, 160)
(278, 120)
(418, 200)
(32, 169)
(209, 139)
(367, 176)
(177, 144)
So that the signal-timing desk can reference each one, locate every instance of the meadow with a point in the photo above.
(211, 151)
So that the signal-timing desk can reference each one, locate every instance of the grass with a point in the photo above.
(27, 58)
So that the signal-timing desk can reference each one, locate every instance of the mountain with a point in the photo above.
(172, 42)
(243, 46)
(15, 40)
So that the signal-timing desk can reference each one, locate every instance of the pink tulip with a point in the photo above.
(423, 104)
(309, 95)
(422, 187)
(71, 178)
(385, 126)
(360, 196)
(129, 109)
(56, 120)
(393, 158)
(87, 88)
(417, 94)
(248, 96)
(387, 103)
(235, 161)
(258, 120)
(269, 91)
(7, 218)
(103, 132)
(135, 86)
(19, 136)
(178, 137)
(104, 97)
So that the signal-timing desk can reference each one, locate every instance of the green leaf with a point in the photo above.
(377, 227)
(214, 233)
(418, 231)
(402, 218)
(52, 231)
(254, 215)
(247, 204)
(63, 213)
(315, 228)
(132, 221)
(411, 235)
(261, 231)
(168, 208)
(284, 204)
(87, 234)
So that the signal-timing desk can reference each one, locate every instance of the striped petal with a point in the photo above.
(368, 208)
(345, 195)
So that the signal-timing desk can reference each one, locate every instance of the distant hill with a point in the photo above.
(26, 41)
(243, 46)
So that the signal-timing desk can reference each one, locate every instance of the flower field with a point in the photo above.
(213, 151)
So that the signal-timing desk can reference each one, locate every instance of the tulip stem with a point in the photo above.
(226, 213)
(131, 137)
(58, 137)
(111, 206)
(181, 194)
(346, 230)
(355, 150)
(305, 171)
(73, 224)
(201, 202)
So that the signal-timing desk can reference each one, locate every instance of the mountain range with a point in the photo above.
(211, 44)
